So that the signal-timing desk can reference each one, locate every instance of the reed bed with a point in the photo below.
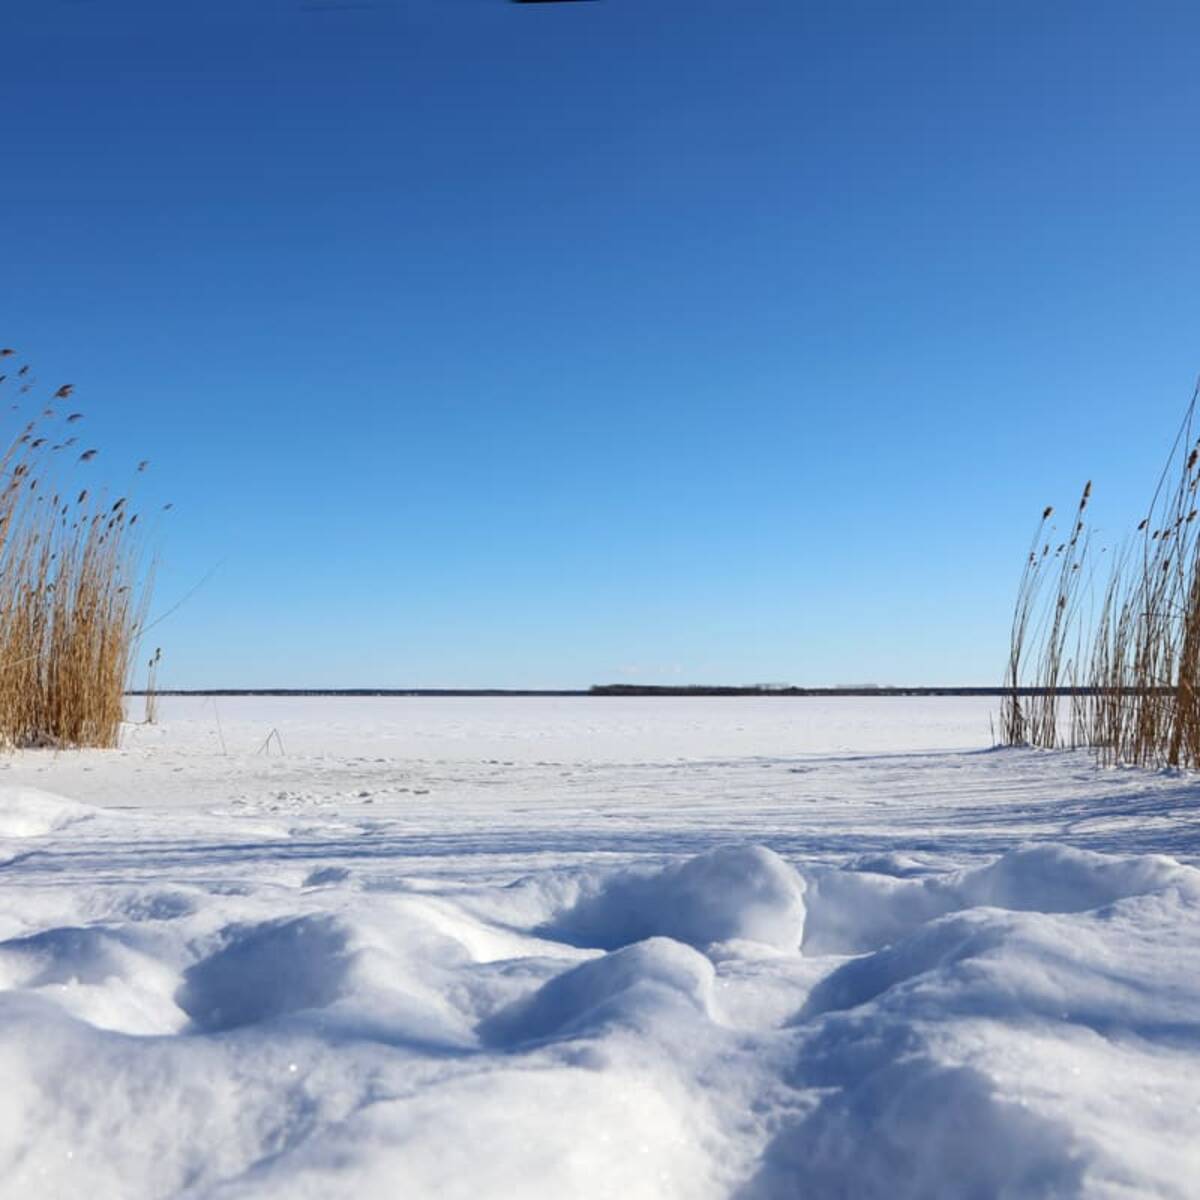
(1128, 664)
(72, 587)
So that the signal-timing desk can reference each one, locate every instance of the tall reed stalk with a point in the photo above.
(151, 717)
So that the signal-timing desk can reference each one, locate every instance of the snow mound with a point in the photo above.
(96, 975)
(1008, 1051)
(907, 1127)
(631, 986)
(852, 911)
(30, 812)
(1061, 879)
(742, 892)
(941, 944)
(269, 970)
(61, 956)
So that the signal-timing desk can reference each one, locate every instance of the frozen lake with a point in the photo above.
(743, 947)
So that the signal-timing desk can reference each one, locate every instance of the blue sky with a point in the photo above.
(665, 340)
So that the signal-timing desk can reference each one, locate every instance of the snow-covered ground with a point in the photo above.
(745, 948)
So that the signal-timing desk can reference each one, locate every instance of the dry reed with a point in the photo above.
(72, 596)
(1134, 679)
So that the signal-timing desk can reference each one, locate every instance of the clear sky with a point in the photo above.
(479, 343)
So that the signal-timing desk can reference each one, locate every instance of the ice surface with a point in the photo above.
(747, 948)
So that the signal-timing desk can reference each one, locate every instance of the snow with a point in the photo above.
(736, 948)
(31, 812)
(730, 892)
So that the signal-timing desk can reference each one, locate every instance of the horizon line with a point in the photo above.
(624, 689)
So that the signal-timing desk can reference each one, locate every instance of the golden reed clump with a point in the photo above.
(72, 591)
(1127, 663)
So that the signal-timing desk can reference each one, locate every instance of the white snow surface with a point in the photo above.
(31, 812)
(602, 947)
